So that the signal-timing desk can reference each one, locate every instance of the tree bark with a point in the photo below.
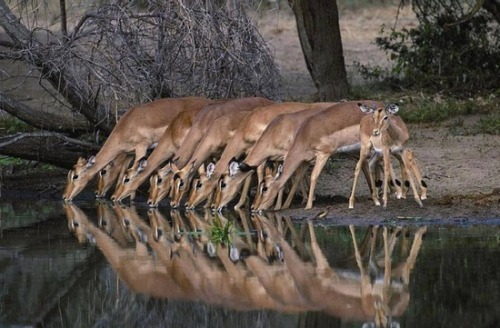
(46, 147)
(321, 42)
(46, 120)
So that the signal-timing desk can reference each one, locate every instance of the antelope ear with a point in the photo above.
(268, 167)
(191, 169)
(173, 167)
(90, 162)
(278, 171)
(167, 168)
(201, 170)
(234, 167)
(143, 162)
(392, 108)
(364, 108)
(210, 169)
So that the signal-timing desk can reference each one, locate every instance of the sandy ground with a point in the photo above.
(462, 172)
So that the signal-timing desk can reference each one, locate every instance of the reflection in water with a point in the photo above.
(266, 263)
(36, 255)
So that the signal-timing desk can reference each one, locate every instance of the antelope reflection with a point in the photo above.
(268, 263)
(374, 293)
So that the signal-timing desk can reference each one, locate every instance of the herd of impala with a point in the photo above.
(205, 151)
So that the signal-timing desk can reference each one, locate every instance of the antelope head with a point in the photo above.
(380, 116)
(77, 178)
(160, 185)
(202, 186)
(227, 186)
(265, 191)
(127, 186)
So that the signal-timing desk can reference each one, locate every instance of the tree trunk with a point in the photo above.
(46, 147)
(493, 7)
(319, 34)
(45, 120)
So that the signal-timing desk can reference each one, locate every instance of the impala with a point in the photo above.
(211, 146)
(273, 145)
(409, 155)
(112, 172)
(271, 172)
(137, 130)
(169, 142)
(202, 123)
(160, 185)
(244, 138)
(335, 130)
(385, 134)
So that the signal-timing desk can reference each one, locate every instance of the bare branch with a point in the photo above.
(117, 56)
(64, 19)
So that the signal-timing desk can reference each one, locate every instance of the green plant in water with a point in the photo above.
(221, 234)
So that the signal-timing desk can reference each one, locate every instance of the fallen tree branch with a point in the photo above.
(48, 147)
(46, 120)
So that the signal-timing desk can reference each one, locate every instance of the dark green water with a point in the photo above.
(99, 266)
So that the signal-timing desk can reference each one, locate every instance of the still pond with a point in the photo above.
(100, 265)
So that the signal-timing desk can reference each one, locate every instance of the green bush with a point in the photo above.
(489, 124)
(443, 53)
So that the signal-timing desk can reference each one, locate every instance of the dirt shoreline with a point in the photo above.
(448, 202)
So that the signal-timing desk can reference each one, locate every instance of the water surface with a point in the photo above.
(95, 264)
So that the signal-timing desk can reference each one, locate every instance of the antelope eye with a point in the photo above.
(159, 180)
(198, 185)
(126, 180)
(75, 177)
(181, 183)
(264, 189)
(223, 184)
(385, 118)
(103, 172)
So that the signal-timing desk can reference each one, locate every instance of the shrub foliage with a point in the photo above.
(453, 49)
